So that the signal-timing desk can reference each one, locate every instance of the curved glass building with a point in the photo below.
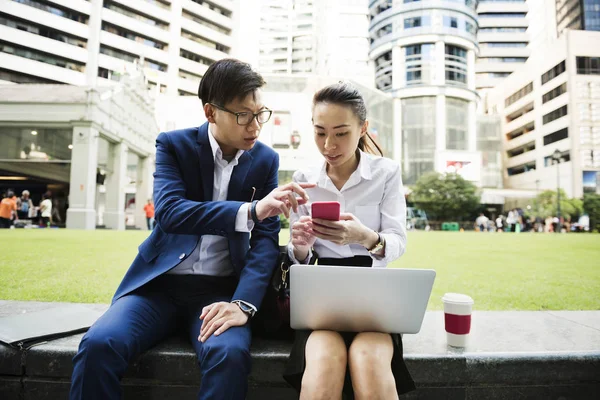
(424, 54)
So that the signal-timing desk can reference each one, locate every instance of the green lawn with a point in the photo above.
(500, 271)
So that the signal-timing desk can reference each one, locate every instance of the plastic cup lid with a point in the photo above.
(457, 298)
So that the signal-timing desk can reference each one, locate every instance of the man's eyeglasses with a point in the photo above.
(245, 118)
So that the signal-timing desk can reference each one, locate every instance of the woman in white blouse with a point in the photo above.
(371, 233)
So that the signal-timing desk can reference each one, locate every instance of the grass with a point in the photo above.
(500, 271)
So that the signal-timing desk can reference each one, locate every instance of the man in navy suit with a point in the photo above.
(206, 265)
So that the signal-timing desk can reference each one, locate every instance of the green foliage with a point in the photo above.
(544, 205)
(591, 205)
(445, 197)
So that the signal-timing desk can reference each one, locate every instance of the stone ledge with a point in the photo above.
(511, 355)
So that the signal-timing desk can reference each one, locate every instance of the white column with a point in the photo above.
(471, 69)
(81, 213)
(440, 64)
(114, 215)
(440, 124)
(398, 68)
(397, 131)
(175, 38)
(143, 190)
(472, 128)
(93, 42)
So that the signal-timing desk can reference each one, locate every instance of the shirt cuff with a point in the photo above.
(293, 257)
(242, 222)
(246, 304)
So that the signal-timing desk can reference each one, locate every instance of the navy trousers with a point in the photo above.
(140, 320)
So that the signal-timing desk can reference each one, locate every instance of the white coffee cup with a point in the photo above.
(457, 318)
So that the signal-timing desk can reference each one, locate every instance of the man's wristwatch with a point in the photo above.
(378, 246)
(249, 311)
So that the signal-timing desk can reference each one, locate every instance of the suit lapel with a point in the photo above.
(238, 176)
(206, 162)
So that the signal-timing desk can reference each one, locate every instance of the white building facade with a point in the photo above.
(553, 104)
(424, 54)
(89, 43)
(503, 41)
(327, 37)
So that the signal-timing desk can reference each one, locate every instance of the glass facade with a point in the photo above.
(420, 63)
(418, 133)
(457, 112)
(36, 144)
(456, 65)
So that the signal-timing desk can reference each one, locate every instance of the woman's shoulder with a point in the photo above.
(382, 163)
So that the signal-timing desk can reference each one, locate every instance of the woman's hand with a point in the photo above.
(348, 230)
(302, 237)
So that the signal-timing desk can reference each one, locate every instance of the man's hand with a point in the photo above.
(218, 317)
(348, 230)
(302, 237)
(282, 198)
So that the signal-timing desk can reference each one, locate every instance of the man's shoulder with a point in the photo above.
(181, 134)
(262, 150)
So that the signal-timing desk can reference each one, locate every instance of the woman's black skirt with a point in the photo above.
(297, 363)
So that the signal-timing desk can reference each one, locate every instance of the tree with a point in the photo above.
(445, 197)
(545, 205)
(591, 205)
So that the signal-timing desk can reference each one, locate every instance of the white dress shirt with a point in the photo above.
(373, 194)
(211, 255)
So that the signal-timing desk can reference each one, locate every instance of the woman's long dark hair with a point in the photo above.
(345, 94)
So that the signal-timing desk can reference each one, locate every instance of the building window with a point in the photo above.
(517, 151)
(502, 30)
(502, 15)
(19, 77)
(470, 28)
(456, 64)
(56, 10)
(556, 136)
(416, 22)
(565, 156)
(132, 58)
(381, 32)
(524, 91)
(450, 22)
(41, 30)
(588, 65)
(590, 158)
(553, 72)
(214, 7)
(209, 43)
(419, 60)
(520, 112)
(41, 56)
(205, 22)
(554, 115)
(521, 169)
(529, 127)
(198, 58)
(457, 113)
(131, 13)
(127, 34)
(554, 93)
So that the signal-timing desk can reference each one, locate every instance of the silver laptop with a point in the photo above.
(355, 299)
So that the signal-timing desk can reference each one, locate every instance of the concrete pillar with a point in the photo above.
(472, 128)
(398, 68)
(143, 189)
(471, 69)
(81, 213)
(440, 123)
(175, 36)
(397, 131)
(440, 64)
(93, 42)
(114, 216)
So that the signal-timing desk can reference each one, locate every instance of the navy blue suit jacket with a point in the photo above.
(183, 190)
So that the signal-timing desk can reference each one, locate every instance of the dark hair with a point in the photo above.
(343, 93)
(226, 80)
(10, 194)
(47, 195)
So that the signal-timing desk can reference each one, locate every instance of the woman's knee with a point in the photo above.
(370, 352)
(326, 349)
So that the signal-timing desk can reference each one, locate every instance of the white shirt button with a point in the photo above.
(182, 256)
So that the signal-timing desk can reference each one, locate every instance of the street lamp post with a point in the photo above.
(556, 157)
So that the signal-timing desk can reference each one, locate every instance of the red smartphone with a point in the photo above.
(329, 210)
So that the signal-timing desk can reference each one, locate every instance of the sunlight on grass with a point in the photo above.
(500, 271)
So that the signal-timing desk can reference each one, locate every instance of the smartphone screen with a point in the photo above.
(329, 210)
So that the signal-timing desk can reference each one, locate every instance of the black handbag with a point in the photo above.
(273, 319)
